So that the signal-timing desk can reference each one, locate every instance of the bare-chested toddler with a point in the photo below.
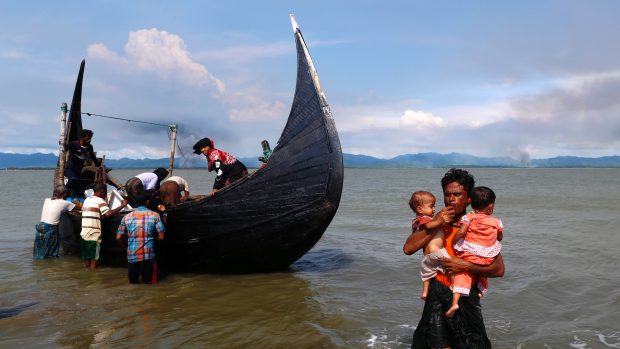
(423, 204)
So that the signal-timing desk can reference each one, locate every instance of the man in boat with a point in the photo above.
(466, 328)
(80, 151)
(147, 182)
(170, 191)
(227, 168)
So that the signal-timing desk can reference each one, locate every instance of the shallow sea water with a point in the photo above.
(354, 289)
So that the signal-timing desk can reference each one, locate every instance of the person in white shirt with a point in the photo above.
(145, 182)
(47, 238)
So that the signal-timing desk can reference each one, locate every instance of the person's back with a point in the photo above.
(92, 210)
(141, 227)
(47, 238)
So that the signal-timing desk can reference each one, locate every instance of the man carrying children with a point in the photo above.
(141, 226)
(466, 328)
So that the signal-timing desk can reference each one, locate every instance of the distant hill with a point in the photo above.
(421, 160)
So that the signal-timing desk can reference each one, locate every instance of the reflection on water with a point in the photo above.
(84, 308)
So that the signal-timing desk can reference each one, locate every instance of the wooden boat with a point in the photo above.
(271, 218)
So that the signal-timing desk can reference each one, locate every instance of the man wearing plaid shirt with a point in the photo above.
(141, 226)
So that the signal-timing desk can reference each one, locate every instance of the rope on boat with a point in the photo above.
(124, 119)
(169, 127)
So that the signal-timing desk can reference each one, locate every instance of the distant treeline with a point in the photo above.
(422, 160)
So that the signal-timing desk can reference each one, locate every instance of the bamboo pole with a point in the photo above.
(173, 146)
(59, 176)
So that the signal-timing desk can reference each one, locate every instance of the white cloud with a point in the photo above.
(162, 53)
(100, 51)
(421, 120)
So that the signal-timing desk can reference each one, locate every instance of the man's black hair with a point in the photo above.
(140, 199)
(460, 176)
(84, 133)
(481, 197)
(161, 173)
(99, 186)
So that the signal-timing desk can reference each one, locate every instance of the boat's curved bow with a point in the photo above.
(271, 218)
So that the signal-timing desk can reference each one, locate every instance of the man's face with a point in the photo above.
(205, 151)
(86, 140)
(455, 195)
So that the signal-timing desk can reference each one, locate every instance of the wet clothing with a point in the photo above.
(46, 241)
(47, 238)
(464, 330)
(143, 269)
(479, 246)
(227, 169)
(89, 249)
(141, 227)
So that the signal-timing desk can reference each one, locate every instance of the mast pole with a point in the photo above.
(59, 176)
(173, 146)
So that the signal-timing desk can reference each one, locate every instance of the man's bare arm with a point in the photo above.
(416, 241)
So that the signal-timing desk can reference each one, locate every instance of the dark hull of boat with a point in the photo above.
(271, 218)
(113, 252)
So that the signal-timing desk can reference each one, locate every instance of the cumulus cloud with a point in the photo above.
(101, 52)
(421, 120)
(162, 53)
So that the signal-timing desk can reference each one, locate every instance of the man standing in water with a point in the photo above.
(466, 328)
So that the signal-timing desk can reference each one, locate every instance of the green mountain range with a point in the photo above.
(421, 160)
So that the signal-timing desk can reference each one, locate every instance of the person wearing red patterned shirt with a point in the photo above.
(227, 168)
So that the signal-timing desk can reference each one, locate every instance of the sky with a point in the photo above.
(525, 79)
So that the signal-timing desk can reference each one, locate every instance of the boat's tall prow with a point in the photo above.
(271, 218)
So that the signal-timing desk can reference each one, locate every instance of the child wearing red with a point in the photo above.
(477, 241)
